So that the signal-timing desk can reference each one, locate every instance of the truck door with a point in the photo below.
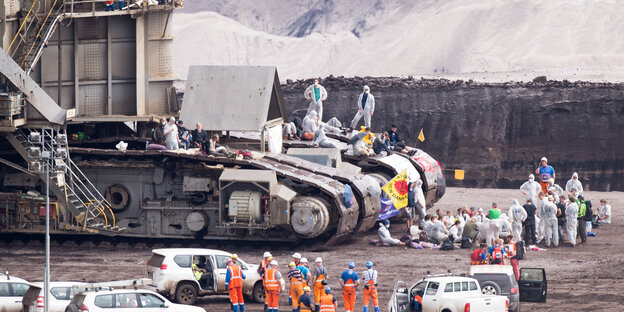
(400, 297)
(430, 299)
(533, 285)
(215, 275)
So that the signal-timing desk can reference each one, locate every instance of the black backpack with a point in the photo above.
(466, 243)
(447, 245)
(589, 213)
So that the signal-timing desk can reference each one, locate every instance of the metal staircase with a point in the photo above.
(89, 209)
(34, 33)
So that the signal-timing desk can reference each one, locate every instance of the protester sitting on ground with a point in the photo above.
(438, 230)
(395, 141)
(428, 225)
(471, 231)
(358, 141)
(310, 125)
(480, 216)
(479, 255)
(199, 137)
(497, 252)
(215, 148)
(289, 131)
(382, 144)
(604, 214)
(184, 135)
(384, 235)
(454, 232)
(321, 140)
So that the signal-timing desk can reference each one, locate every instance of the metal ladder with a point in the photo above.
(90, 210)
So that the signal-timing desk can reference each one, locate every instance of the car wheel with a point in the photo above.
(186, 293)
(258, 295)
(490, 288)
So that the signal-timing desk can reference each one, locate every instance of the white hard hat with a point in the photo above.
(296, 255)
(267, 254)
(273, 262)
(304, 260)
(366, 88)
(318, 259)
(544, 159)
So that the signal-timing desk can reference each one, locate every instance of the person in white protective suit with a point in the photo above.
(571, 219)
(310, 124)
(366, 107)
(421, 206)
(316, 94)
(321, 140)
(556, 189)
(604, 213)
(549, 218)
(517, 215)
(384, 234)
(289, 131)
(171, 135)
(531, 188)
(438, 230)
(359, 145)
(542, 201)
(574, 183)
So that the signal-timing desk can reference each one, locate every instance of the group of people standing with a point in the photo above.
(309, 290)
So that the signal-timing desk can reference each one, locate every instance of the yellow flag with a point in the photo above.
(459, 174)
(421, 136)
(397, 190)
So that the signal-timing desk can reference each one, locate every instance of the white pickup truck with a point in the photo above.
(446, 293)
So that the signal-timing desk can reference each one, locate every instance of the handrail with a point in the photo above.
(39, 33)
(45, 42)
(20, 28)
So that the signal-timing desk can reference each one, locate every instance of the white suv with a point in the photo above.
(12, 289)
(171, 274)
(61, 294)
(121, 300)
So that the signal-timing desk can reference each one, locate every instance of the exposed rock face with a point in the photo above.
(497, 132)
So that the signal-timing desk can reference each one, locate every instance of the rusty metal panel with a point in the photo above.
(241, 94)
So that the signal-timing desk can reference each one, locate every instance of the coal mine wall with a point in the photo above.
(496, 132)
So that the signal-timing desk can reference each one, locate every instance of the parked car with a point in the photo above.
(500, 280)
(12, 289)
(445, 293)
(61, 294)
(172, 276)
(125, 300)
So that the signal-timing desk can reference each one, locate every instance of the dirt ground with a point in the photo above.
(588, 277)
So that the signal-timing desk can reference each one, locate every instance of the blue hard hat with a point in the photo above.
(386, 222)
(327, 289)
(369, 264)
(351, 265)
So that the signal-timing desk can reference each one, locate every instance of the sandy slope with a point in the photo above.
(573, 39)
